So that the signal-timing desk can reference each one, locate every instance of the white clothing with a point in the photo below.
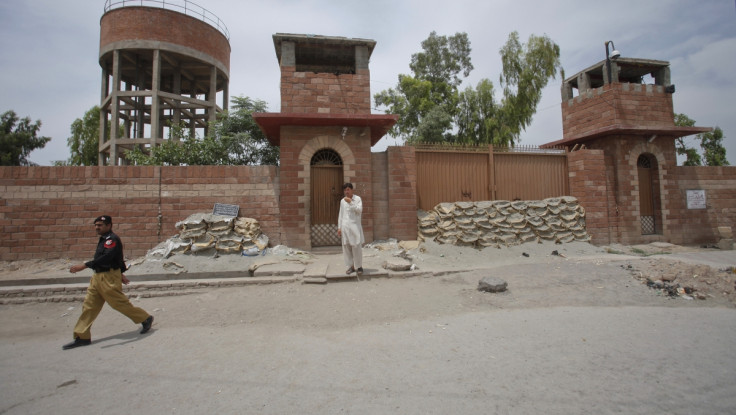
(353, 256)
(348, 221)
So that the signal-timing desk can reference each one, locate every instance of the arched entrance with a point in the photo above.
(326, 192)
(648, 194)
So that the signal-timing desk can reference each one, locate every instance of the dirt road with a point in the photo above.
(569, 337)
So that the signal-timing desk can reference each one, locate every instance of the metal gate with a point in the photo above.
(326, 192)
(456, 173)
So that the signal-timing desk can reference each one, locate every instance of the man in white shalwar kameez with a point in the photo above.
(350, 230)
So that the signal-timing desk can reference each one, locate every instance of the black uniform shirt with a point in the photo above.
(108, 255)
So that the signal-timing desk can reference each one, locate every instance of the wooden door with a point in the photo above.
(326, 193)
(646, 197)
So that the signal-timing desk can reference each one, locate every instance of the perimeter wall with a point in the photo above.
(47, 212)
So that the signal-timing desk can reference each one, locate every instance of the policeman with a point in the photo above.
(106, 285)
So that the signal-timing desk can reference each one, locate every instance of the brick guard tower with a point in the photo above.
(325, 132)
(627, 182)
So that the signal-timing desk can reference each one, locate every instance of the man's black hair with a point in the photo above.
(346, 185)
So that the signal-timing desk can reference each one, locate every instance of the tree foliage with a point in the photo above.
(234, 139)
(18, 138)
(84, 142)
(692, 157)
(714, 153)
(432, 108)
(246, 143)
(713, 150)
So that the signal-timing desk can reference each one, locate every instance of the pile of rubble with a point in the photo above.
(503, 223)
(687, 281)
(203, 232)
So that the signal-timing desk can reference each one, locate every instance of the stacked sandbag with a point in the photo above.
(503, 223)
(226, 234)
(192, 227)
(253, 240)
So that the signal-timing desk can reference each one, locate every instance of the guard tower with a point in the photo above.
(325, 132)
(631, 119)
(162, 66)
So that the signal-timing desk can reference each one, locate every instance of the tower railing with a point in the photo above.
(182, 6)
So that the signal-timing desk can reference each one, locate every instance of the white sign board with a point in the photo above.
(696, 199)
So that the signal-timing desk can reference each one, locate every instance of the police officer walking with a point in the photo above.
(106, 285)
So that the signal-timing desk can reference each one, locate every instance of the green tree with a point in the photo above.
(181, 148)
(692, 157)
(713, 150)
(84, 141)
(527, 69)
(235, 139)
(711, 143)
(245, 142)
(432, 109)
(426, 101)
(18, 138)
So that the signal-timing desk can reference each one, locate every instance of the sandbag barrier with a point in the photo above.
(503, 223)
(205, 231)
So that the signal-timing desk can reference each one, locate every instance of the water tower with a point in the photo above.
(163, 64)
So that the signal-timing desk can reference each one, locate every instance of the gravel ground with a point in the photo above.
(577, 332)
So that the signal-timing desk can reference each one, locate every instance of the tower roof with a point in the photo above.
(318, 49)
(630, 70)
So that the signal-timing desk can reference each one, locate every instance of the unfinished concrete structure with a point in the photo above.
(162, 66)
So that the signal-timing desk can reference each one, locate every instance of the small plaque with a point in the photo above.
(696, 199)
(225, 210)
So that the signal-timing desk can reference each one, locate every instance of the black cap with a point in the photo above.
(104, 218)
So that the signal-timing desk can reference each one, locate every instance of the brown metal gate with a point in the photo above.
(453, 174)
(326, 192)
(444, 176)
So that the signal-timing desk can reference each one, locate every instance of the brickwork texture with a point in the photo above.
(166, 26)
(47, 212)
(325, 93)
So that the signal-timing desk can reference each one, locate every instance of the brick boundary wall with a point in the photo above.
(381, 213)
(589, 184)
(47, 212)
(402, 193)
(691, 226)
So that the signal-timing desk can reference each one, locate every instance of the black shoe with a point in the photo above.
(76, 343)
(360, 271)
(350, 270)
(147, 323)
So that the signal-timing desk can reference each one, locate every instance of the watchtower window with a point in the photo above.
(320, 58)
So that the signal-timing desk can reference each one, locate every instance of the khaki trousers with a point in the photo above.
(105, 287)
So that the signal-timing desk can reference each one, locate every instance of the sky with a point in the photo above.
(49, 50)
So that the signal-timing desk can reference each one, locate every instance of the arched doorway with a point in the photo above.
(648, 194)
(326, 192)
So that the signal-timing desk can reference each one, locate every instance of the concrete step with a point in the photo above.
(76, 292)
